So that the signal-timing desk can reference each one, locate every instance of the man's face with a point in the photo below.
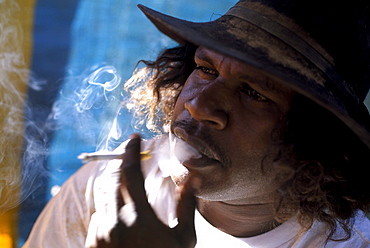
(228, 111)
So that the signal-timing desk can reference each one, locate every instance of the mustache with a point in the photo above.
(192, 129)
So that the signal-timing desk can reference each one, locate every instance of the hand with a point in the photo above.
(148, 230)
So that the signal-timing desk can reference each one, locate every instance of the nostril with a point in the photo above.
(212, 123)
(218, 120)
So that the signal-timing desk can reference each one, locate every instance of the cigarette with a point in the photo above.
(88, 157)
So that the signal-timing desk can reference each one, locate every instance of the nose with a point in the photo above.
(208, 108)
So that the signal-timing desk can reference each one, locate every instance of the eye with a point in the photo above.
(255, 95)
(206, 70)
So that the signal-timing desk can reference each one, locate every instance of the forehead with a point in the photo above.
(241, 70)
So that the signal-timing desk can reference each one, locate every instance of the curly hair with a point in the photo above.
(154, 89)
(322, 161)
(326, 161)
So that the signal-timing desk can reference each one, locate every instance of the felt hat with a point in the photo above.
(319, 50)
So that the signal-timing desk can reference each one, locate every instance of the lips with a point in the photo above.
(208, 158)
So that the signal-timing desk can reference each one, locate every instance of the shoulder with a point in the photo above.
(361, 230)
(360, 233)
(316, 235)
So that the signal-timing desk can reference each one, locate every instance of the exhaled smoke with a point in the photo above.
(13, 78)
(24, 139)
(173, 153)
(88, 108)
(95, 107)
(87, 103)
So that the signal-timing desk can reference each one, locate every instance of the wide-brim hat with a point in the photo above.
(270, 41)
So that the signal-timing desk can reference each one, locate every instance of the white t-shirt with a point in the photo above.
(85, 208)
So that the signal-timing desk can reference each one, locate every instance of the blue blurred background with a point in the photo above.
(83, 51)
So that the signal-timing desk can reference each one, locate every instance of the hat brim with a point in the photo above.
(220, 36)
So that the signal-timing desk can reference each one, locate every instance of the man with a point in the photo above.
(270, 95)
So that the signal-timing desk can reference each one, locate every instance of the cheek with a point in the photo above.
(188, 92)
(252, 133)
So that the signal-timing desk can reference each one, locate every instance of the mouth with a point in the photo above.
(208, 156)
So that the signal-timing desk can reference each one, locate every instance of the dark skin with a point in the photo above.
(226, 101)
(140, 234)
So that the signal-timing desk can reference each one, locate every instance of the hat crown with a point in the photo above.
(336, 77)
(339, 31)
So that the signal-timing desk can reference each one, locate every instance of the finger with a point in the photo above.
(119, 199)
(116, 236)
(132, 176)
(186, 209)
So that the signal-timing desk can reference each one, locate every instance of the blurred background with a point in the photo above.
(63, 64)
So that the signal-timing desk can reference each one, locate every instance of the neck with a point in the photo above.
(237, 219)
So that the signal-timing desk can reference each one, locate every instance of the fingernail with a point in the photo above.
(134, 136)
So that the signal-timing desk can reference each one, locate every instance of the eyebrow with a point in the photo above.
(202, 54)
(267, 84)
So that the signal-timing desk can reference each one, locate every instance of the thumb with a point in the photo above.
(186, 210)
